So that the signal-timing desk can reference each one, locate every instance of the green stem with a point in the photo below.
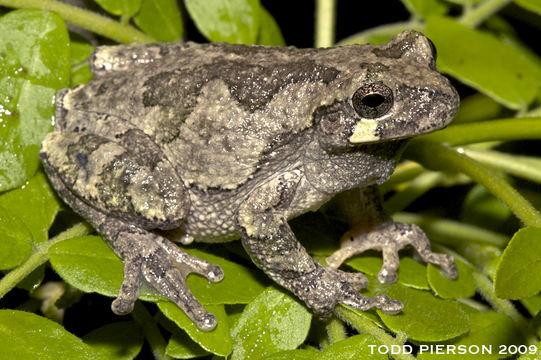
(526, 167)
(150, 329)
(472, 18)
(85, 19)
(441, 157)
(325, 23)
(39, 257)
(449, 232)
(494, 130)
(336, 330)
(366, 326)
(385, 31)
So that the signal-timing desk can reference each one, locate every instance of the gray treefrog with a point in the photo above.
(214, 142)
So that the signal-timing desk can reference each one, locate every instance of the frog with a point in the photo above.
(172, 143)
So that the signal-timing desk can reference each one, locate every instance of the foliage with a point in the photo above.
(479, 49)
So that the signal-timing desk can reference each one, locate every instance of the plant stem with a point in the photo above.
(494, 130)
(367, 327)
(336, 330)
(325, 23)
(150, 329)
(449, 232)
(472, 18)
(526, 167)
(39, 257)
(85, 19)
(441, 157)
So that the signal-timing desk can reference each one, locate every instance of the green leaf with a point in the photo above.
(88, 264)
(462, 287)
(160, 19)
(217, 341)
(273, 321)
(121, 7)
(269, 31)
(233, 21)
(485, 63)
(355, 347)
(239, 286)
(15, 240)
(424, 8)
(117, 341)
(518, 273)
(28, 336)
(292, 355)
(424, 317)
(34, 64)
(80, 70)
(35, 204)
(477, 107)
(531, 5)
(488, 329)
(532, 304)
(180, 346)
(410, 272)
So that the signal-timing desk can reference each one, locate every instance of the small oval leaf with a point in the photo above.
(160, 19)
(424, 317)
(355, 347)
(28, 336)
(217, 341)
(518, 275)
(482, 61)
(462, 287)
(233, 21)
(34, 65)
(488, 332)
(121, 7)
(273, 321)
(117, 341)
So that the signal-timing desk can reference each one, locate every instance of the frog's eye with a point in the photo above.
(372, 100)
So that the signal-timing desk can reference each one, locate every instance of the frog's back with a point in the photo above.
(214, 109)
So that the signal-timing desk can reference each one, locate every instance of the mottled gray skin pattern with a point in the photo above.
(215, 142)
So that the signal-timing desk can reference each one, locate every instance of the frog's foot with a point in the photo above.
(164, 266)
(323, 288)
(389, 237)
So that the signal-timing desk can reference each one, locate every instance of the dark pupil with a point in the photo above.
(373, 100)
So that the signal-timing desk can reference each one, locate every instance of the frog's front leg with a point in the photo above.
(268, 239)
(125, 195)
(372, 229)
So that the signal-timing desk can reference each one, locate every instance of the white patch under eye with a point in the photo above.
(365, 131)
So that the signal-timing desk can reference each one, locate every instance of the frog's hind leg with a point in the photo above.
(72, 161)
(374, 230)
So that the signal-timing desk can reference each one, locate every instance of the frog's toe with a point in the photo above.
(389, 306)
(168, 280)
(382, 302)
(356, 280)
(192, 264)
